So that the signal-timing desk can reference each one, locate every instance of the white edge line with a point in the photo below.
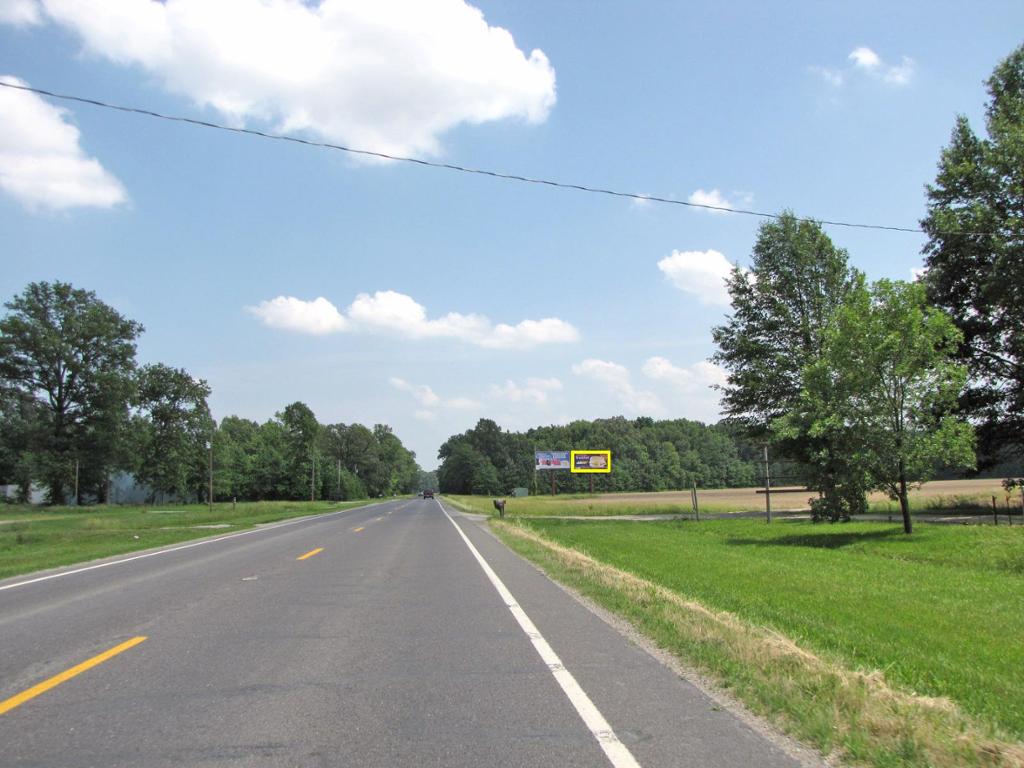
(271, 527)
(616, 752)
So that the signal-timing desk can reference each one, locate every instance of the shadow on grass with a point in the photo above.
(820, 540)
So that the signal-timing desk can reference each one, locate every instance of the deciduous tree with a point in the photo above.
(75, 356)
(975, 257)
(879, 391)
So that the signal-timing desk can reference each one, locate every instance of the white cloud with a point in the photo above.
(617, 380)
(431, 401)
(386, 75)
(41, 162)
(865, 58)
(866, 61)
(693, 384)
(19, 12)
(317, 317)
(700, 273)
(533, 390)
(916, 273)
(694, 379)
(394, 313)
(400, 314)
(714, 198)
(424, 394)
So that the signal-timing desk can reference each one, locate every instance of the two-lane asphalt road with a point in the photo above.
(389, 635)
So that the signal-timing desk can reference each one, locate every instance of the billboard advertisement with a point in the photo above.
(591, 461)
(552, 460)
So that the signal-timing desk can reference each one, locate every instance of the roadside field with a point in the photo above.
(939, 496)
(34, 538)
(938, 614)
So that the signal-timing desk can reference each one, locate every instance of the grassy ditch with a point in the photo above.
(885, 649)
(33, 538)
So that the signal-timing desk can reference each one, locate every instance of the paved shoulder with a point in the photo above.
(662, 719)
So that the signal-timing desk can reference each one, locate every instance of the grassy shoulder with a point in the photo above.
(34, 538)
(887, 649)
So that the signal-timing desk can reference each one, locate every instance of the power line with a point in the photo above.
(448, 166)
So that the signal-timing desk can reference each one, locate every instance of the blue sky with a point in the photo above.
(447, 297)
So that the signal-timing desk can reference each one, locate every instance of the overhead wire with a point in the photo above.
(446, 166)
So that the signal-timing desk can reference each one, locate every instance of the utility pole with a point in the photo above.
(339, 481)
(209, 491)
(76, 482)
(767, 486)
(312, 478)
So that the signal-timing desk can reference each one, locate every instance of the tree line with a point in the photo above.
(647, 455)
(76, 409)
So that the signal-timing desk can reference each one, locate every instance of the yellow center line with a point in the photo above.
(310, 554)
(63, 677)
(357, 530)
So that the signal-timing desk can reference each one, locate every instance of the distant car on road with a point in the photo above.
(428, 494)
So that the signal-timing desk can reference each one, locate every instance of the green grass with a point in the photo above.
(585, 505)
(941, 612)
(33, 538)
(569, 505)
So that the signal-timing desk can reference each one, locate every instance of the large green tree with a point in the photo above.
(882, 388)
(781, 307)
(173, 431)
(74, 356)
(975, 257)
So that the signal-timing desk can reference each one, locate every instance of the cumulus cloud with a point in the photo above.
(714, 198)
(386, 75)
(694, 379)
(916, 273)
(393, 313)
(533, 390)
(699, 273)
(867, 62)
(694, 383)
(430, 400)
(397, 313)
(617, 380)
(317, 317)
(19, 12)
(423, 393)
(42, 164)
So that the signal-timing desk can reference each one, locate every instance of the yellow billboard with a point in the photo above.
(591, 461)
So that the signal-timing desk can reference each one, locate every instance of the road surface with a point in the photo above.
(369, 637)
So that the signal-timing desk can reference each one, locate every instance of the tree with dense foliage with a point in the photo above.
(781, 306)
(74, 357)
(647, 455)
(173, 431)
(975, 258)
(466, 470)
(882, 388)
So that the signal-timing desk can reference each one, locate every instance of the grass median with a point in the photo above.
(34, 538)
(857, 639)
